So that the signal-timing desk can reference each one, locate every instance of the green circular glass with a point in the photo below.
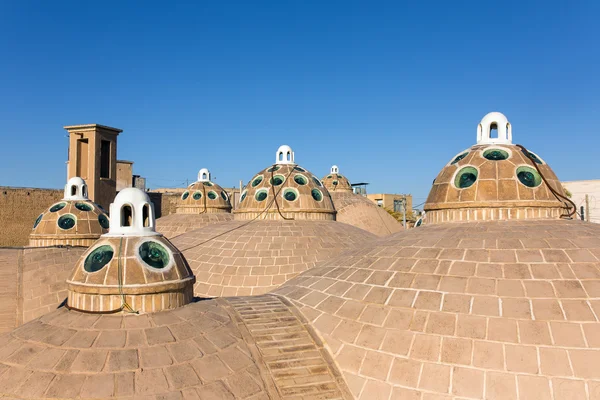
(154, 254)
(256, 181)
(459, 157)
(299, 169)
(495, 154)
(329, 176)
(335, 183)
(103, 220)
(316, 181)
(57, 207)
(211, 195)
(529, 177)
(261, 195)
(197, 196)
(300, 179)
(290, 194)
(224, 195)
(277, 180)
(207, 183)
(243, 196)
(98, 258)
(66, 221)
(37, 221)
(273, 169)
(316, 194)
(83, 207)
(185, 195)
(465, 178)
(535, 158)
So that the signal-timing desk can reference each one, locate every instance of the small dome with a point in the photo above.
(284, 155)
(336, 182)
(356, 210)
(204, 197)
(73, 221)
(493, 181)
(285, 191)
(132, 268)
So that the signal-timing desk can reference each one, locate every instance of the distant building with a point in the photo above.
(392, 202)
(591, 206)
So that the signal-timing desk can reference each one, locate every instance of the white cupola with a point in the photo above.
(284, 155)
(204, 175)
(76, 189)
(132, 214)
(335, 169)
(494, 128)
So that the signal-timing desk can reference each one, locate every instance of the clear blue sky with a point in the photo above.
(389, 91)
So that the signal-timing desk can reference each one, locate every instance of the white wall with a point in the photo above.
(579, 189)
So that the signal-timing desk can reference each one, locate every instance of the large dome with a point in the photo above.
(285, 190)
(494, 180)
(336, 182)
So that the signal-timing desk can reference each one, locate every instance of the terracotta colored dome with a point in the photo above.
(285, 190)
(494, 180)
(74, 221)
(356, 210)
(204, 197)
(336, 182)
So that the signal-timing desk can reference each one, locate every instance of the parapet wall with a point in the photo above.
(19, 208)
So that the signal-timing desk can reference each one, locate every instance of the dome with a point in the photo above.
(239, 258)
(73, 221)
(494, 180)
(336, 182)
(204, 197)
(356, 210)
(131, 268)
(489, 309)
(285, 191)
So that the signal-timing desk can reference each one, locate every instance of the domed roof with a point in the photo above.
(204, 197)
(132, 267)
(240, 258)
(335, 182)
(74, 221)
(491, 309)
(494, 180)
(356, 210)
(285, 191)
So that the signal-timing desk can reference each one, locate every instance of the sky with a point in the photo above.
(389, 90)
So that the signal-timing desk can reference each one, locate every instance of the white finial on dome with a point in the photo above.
(204, 175)
(494, 122)
(132, 214)
(75, 189)
(284, 155)
(335, 169)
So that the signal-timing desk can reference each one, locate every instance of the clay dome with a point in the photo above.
(285, 190)
(357, 210)
(132, 267)
(494, 180)
(336, 182)
(73, 221)
(203, 202)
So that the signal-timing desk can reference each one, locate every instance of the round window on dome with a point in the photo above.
(532, 155)
(83, 207)
(495, 154)
(224, 195)
(212, 195)
(273, 168)
(300, 179)
(459, 157)
(335, 183)
(529, 176)
(185, 195)
(466, 177)
(243, 196)
(340, 177)
(277, 180)
(299, 169)
(317, 181)
(103, 220)
(154, 254)
(290, 194)
(207, 183)
(38, 220)
(316, 194)
(329, 176)
(257, 180)
(197, 195)
(98, 258)
(261, 195)
(66, 221)
(57, 207)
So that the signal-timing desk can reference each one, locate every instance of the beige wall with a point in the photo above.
(124, 174)
(19, 208)
(591, 188)
(387, 200)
